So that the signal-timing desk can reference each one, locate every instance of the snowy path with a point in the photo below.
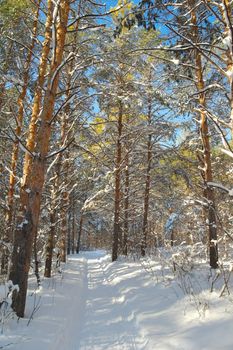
(126, 305)
(57, 323)
(108, 323)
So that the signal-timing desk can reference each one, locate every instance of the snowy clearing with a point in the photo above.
(99, 305)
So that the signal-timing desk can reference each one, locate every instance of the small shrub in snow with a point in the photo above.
(182, 260)
(6, 302)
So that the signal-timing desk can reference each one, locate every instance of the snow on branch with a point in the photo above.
(221, 187)
(21, 144)
(67, 59)
(60, 150)
(229, 153)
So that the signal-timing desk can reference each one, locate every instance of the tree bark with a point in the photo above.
(126, 205)
(34, 175)
(20, 114)
(65, 194)
(52, 231)
(64, 225)
(73, 226)
(206, 159)
(50, 244)
(117, 226)
(226, 11)
(31, 139)
(79, 233)
(147, 185)
(69, 232)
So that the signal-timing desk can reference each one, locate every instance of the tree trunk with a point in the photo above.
(31, 139)
(65, 198)
(53, 218)
(20, 104)
(14, 159)
(50, 244)
(147, 185)
(79, 233)
(206, 159)
(226, 11)
(36, 262)
(117, 226)
(73, 226)
(126, 205)
(69, 232)
(64, 226)
(34, 175)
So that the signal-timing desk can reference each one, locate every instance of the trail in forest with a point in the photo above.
(57, 323)
(95, 304)
(108, 324)
(80, 310)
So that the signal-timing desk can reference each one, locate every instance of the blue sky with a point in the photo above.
(112, 3)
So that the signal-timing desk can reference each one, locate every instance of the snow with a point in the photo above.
(95, 304)
(229, 72)
(175, 61)
(227, 40)
(170, 223)
(221, 187)
(24, 222)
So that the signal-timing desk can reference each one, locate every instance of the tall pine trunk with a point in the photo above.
(73, 229)
(117, 202)
(147, 184)
(34, 175)
(206, 148)
(226, 11)
(126, 205)
(52, 231)
(64, 225)
(79, 233)
(14, 159)
(37, 103)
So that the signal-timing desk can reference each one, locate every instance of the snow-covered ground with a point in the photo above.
(98, 305)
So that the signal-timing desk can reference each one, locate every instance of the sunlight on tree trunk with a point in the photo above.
(20, 115)
(34, 176)
(206, 159)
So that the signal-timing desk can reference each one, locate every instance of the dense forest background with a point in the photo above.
(115, 131)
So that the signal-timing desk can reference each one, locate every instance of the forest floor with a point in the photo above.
(129, 304)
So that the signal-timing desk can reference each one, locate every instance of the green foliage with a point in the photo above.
(124, 18)
(12, 9)
(99, 125)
